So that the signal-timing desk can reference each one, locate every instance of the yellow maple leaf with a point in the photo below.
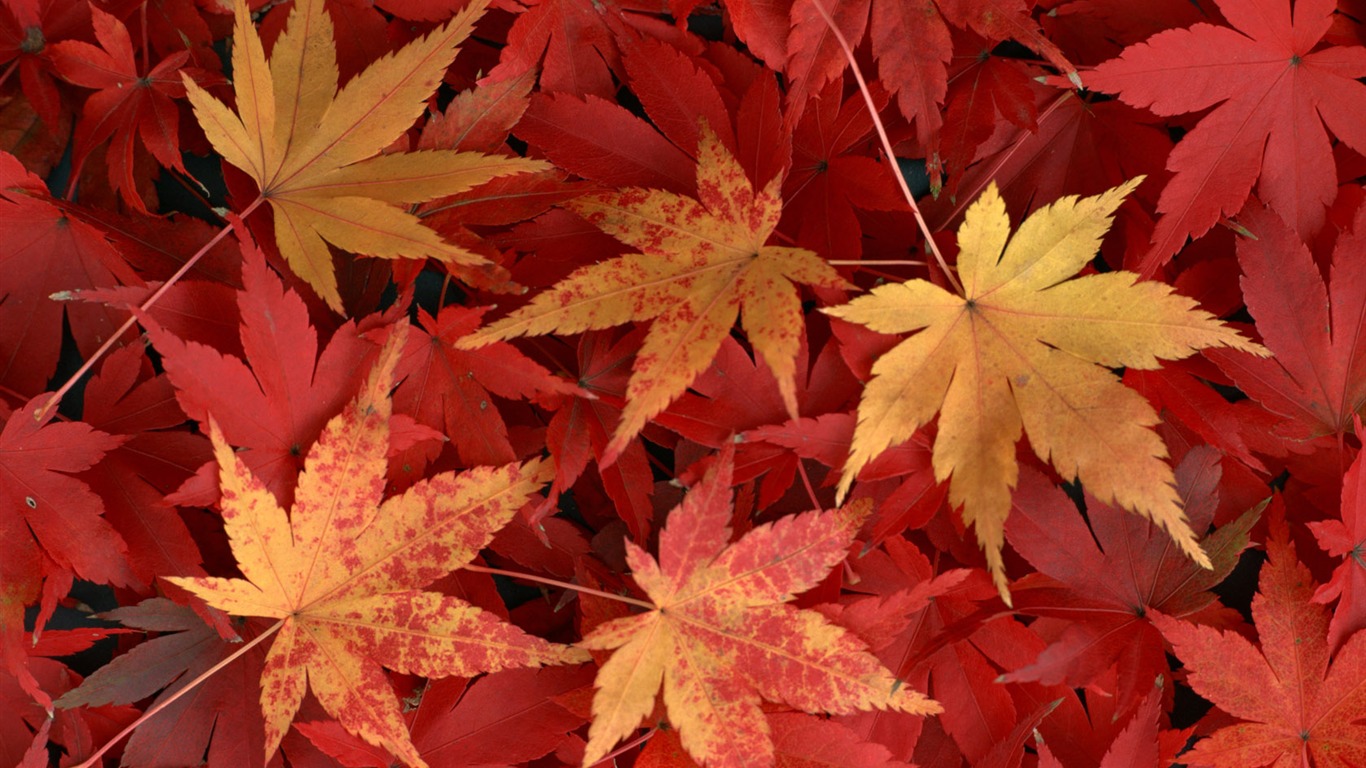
(343, 572)
(701, 262)
(1026, 348)
(722, 634)
(314, 150)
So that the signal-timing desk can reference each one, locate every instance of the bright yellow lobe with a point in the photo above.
(314, 149)
(1027, 350)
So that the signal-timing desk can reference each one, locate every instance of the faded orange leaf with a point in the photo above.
(723, 635)
(343, 571)
(314, 150)
(701, 263)
(1024, 348)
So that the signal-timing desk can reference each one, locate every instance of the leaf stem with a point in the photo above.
(41, 414)
(4, 77)
(810, 491)
(887, 147)
(160, 705)
(561, 584)
(874, 263)
(632, 744)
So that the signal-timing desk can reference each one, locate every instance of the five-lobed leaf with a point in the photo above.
(1024, 349)
(314, 149)
(701, 262)
(1273, 87)
(1301, 705)
(723, 635)
(343, 572)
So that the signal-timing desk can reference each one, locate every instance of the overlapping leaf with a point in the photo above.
(128, 103)
(1316, 383)
(314, 150)
(343, 573)
(701, 263)
(1273, 88)
(723, 636)
(1022, 350)
(1299, 704)
(1100, 596)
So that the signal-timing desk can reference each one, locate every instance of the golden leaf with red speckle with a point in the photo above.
(344, 570)
(700, 263)
(724, 635)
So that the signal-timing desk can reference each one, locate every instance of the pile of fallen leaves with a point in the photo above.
(570, 382)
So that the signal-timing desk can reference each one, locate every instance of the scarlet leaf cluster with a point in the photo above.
(860, 383)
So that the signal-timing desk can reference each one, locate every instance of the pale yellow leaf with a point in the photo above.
(1024, 349)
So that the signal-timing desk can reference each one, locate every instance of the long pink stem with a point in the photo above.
(887, 146)
(94, 759)
(41, 414)
(562, 585)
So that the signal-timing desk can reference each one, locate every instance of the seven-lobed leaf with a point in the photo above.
(314, 150)
(1024, 348)
(701, 262)
(723, 635)
(343, 572)
(1303, 705)
(1273, 87)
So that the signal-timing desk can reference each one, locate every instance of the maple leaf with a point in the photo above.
(722, 634)
(701, 263)
(1346, 537)
(214, 718)
(502, 718)
(48, 248)
(1302, 709)
(127, 103)
(342, 572)
(26, 27)
(276, 402)
(448, 388)
(575, 42)
(1023, 348)
(580, 430)
(311, 148)
(47, 522)
(1317, 381)
(1100, 583)
(1275, 88)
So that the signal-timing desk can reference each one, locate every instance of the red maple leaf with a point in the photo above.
(580, 430)
(152, 460)
(575, 42)
(1346, 538)
(276, 406)
(1275, 88)
(219, 719)
(48, 249)
(832, 176)
(1316, 383)
(127, 103)
(1297, 706)
(48, 520)
(26, 28)
(448, 388)
(1099, 597)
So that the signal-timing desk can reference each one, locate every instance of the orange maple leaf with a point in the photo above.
(1301, 705)
(722, 634)
(701, 262)
(1024, 348)
(314, 150)
(343, 571)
